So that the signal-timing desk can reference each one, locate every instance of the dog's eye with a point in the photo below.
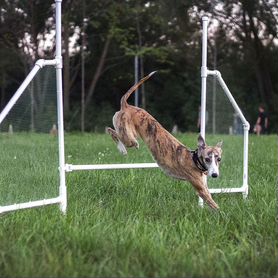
(207, 159)
(219, 159)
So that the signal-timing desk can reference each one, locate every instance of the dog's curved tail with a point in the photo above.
(124, 98)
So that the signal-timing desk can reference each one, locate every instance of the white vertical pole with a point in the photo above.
(136, 79)
(204, 84)
(204, 76)
(245, 161)
(59, 66)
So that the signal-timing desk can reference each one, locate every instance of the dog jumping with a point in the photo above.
(175, 159)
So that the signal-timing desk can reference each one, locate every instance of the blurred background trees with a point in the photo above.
(102, 38)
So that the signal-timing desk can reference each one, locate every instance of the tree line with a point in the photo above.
(102, 39)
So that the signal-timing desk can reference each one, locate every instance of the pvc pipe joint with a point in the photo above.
(246, 126)
(59, 62)
(204, 72)
(40, 63)
(217, 73)
(214, 73)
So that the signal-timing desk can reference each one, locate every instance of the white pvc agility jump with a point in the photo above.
(58, 63)
(204, 73)
(64, 168)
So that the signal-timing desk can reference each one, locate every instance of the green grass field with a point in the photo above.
(134, 223)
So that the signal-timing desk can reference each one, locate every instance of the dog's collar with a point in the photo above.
(198, 162)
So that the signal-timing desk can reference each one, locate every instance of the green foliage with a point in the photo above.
(100, 117)
(130, 223)
(166, 34)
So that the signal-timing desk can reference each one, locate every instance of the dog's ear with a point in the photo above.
(201, 142)
(219, 144)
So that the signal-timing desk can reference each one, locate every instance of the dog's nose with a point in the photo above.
(214, 175)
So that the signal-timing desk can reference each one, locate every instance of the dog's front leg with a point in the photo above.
(204, 193)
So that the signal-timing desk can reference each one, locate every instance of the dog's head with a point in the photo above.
(210, 156)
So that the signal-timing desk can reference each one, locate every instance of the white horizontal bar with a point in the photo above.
(70, 167)
(212, 72)
(30, 204)
(227, 190)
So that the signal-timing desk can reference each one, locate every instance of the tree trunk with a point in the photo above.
(143, 85)
(141, 61)
(262, 70)
(82, 122)
(66, 67)
(3, 88)
(256, 52)
(98, 72)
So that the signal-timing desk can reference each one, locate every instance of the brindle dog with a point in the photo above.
(175, 159)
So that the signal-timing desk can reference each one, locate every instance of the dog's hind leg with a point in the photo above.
(114, 135)
(125, 129)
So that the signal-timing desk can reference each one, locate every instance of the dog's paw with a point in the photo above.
(121, 148)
